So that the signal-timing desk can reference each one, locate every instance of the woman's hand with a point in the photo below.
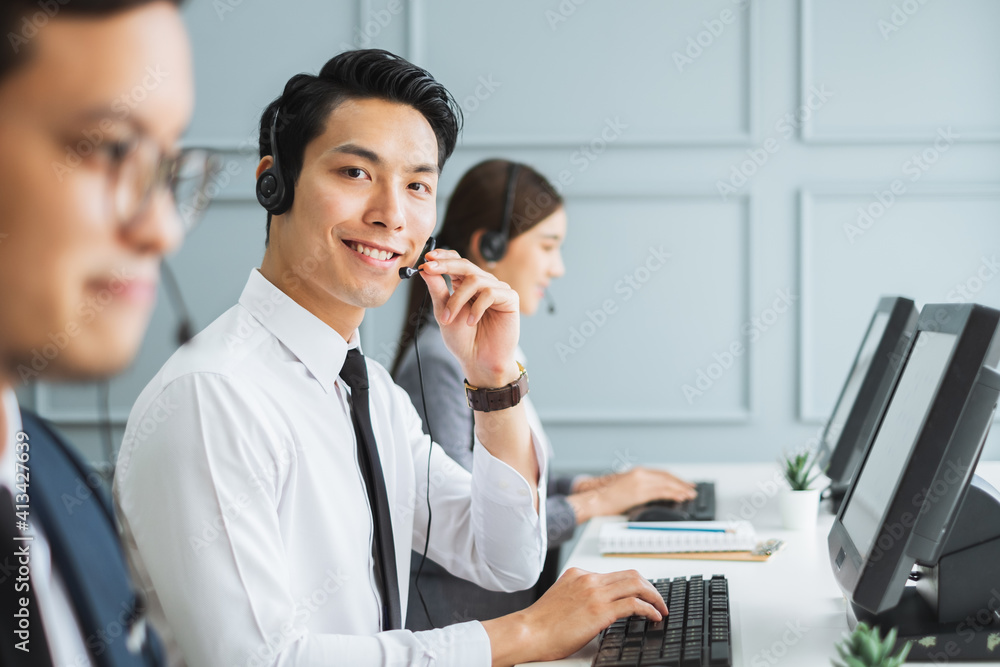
(616, 493)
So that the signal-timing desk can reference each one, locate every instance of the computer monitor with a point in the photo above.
(865, 392)
(915, 500)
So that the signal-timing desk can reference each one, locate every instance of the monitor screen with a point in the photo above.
(854, 380)
(896, 437)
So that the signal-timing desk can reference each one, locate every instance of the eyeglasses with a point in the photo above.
(139, 168)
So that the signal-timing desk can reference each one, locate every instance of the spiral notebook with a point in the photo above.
(665, 537)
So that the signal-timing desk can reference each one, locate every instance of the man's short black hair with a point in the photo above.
(307, 102)
(20, 21)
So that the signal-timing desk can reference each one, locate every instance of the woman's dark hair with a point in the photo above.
(20, 20)
(478, 203)
(307, 102)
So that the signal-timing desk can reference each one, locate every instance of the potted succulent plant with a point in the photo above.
(864, 648)
(800, 504)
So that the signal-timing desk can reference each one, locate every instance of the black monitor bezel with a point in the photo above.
(841, 462)
(868, 582)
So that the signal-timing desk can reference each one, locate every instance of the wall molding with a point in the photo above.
(599, 415)
(41, 395)
(809, 134)
(805, 411)
(417, 50)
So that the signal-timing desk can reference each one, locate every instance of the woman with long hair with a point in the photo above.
(508, 219)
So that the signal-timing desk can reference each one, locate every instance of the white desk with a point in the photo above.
(787, 610)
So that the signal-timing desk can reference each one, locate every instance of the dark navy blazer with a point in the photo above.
(76, 516)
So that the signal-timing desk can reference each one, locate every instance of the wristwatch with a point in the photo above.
(489, 400)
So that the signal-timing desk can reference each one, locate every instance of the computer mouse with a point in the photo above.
(658, 511)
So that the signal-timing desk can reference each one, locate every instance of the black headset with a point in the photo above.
(493, 244)
(272, 193)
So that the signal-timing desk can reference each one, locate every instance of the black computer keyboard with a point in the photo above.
(701, 508)
(696, 633)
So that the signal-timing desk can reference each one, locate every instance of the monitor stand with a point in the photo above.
(953, 613)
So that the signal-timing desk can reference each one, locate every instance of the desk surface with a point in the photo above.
(787, 610)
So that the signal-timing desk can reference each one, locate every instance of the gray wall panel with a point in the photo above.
(733, 116)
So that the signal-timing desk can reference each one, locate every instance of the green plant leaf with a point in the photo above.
(869, 650)
(905, 652)
(889, 643)
(797, 469)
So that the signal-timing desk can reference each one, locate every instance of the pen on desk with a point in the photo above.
(677, 529)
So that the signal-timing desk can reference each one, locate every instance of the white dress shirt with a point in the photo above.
(244, 513)
(62, 629)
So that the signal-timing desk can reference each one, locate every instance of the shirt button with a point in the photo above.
(522, 492)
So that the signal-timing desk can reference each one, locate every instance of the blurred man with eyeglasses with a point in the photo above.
(91, 182)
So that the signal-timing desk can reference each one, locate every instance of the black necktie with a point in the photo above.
(355, 374)
(13, 592)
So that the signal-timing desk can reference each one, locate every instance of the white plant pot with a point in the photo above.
(800, 509)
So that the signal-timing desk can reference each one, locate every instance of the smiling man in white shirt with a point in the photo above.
(241, 486)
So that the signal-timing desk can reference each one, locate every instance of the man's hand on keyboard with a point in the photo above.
(571, 613)
(616, 493)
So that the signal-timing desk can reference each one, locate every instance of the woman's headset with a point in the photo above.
(493, 244)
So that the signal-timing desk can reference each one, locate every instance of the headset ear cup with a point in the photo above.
(267, 186)
(271, 192)
(492, 246)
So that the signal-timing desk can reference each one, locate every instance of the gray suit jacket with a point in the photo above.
(451, 599)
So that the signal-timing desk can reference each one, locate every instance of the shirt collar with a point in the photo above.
(316, 344)
(12, 412)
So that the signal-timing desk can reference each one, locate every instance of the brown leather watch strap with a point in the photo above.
(490, 400)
